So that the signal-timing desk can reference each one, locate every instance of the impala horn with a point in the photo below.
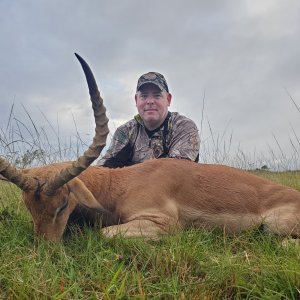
(12, 174)
(99, 141)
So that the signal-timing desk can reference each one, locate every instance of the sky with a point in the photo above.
(231, 66)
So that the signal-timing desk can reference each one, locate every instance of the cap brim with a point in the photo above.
(147, 82)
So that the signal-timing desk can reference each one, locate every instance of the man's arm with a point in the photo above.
(185, 141)
(119, 150)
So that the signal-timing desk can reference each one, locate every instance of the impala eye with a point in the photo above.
(62, 208)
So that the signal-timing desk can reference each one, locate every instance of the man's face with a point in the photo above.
(152, 105)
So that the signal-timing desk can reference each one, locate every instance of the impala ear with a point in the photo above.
(82, 194)
(3, 178)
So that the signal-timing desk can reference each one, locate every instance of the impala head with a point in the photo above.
(52, 192)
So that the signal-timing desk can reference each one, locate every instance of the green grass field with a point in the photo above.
(188, 265)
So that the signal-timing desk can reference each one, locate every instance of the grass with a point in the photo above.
(25, 142)
(189, 265)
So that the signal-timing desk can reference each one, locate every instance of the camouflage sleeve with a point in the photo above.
(119, 150)
(185, 141)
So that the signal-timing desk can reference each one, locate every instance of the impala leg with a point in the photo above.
(284, 221)
(136, 228)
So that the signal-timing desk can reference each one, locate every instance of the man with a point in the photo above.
(154, 132)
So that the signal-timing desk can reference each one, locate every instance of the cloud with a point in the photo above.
(242, 55)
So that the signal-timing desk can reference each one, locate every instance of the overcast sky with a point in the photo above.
(244, 56)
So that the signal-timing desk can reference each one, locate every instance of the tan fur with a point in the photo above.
(152, 198)
(160, 196)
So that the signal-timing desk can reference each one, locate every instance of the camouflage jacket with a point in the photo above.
(132, 143)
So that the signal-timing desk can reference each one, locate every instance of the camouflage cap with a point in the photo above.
(154, 78)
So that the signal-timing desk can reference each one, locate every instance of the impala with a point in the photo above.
(152, 198)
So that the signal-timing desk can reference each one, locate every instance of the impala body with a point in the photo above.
(152, 198)
(160, 196)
